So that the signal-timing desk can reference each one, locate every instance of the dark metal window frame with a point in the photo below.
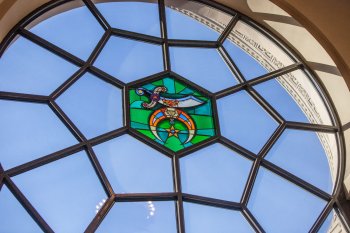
(333, 201)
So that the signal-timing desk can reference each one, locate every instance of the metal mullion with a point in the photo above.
(296, 180)
(164, 34)
(45, 159)
(311, 127)
(252, 220)
(99, 171)
(192, 43)
(137, 36)
(198, 146)
(102, 213)
(24, 97)
(231, 64)
(180, 219)
(272, 140)
(27, 206)
(51, 47)
(237, 148)
(108, 136)
(68, 83)
(143, 197)
(265, 105)
(258, 80)
(106, 77)
(228, 29)
(212, 202)
(99, 47)
(344, 219)
(67, 122)
(215, 114)
(322, 217)
(250, 182)
(99, 17)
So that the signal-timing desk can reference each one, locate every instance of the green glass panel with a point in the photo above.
(171, 113)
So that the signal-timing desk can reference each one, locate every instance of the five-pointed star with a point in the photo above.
(172, 131)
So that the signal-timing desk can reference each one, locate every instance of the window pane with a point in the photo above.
(129, 60)
(275, 200)
(22, 69)
(13, 217)
(64, 192)
(93, 105)
(207, 219)
(141, 17)
(205, 67)
(133, 167)
(264, 50)
(249, 67)
(194, 21)
(302, 153)
(295, 97)
(76, 30)
(244, 121)
(332, 224)
(29, 131)
(143, 217)
(215, 172)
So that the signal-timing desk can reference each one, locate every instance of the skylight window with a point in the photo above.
(161, 116)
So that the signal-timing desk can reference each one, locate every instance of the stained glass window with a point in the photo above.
(161, 116)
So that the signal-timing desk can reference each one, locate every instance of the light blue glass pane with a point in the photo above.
(244, 121)
(216, 172)
(248, 66)
(129, 60)
(181, 26)
(13, 217)
(76, 31)
(280, 206)
(133, 167)
(207, 219)
(141, 17)
(281, 100)
(93, 105)
(204, 67)
(22, 69)
(140, 217)
(301, 153)
(64, 192)
(29, 131)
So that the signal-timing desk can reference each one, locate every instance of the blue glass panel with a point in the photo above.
(141, 17)
(13, 217)
(22, 69)
(133, 167)
(182, 26)
(64, 192)
(204, 67)
(275, 200)
(29, 131)
(129, 60)
(77, 31)
(332, 224)
(244, 121)
(93, 105)
(248, 66)
(216, 172)
(207, 219)
(301, 153)
(281, 100)
(140, 217)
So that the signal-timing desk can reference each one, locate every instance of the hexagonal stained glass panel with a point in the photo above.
(171, 113)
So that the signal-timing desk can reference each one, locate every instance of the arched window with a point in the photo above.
(162, 116)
